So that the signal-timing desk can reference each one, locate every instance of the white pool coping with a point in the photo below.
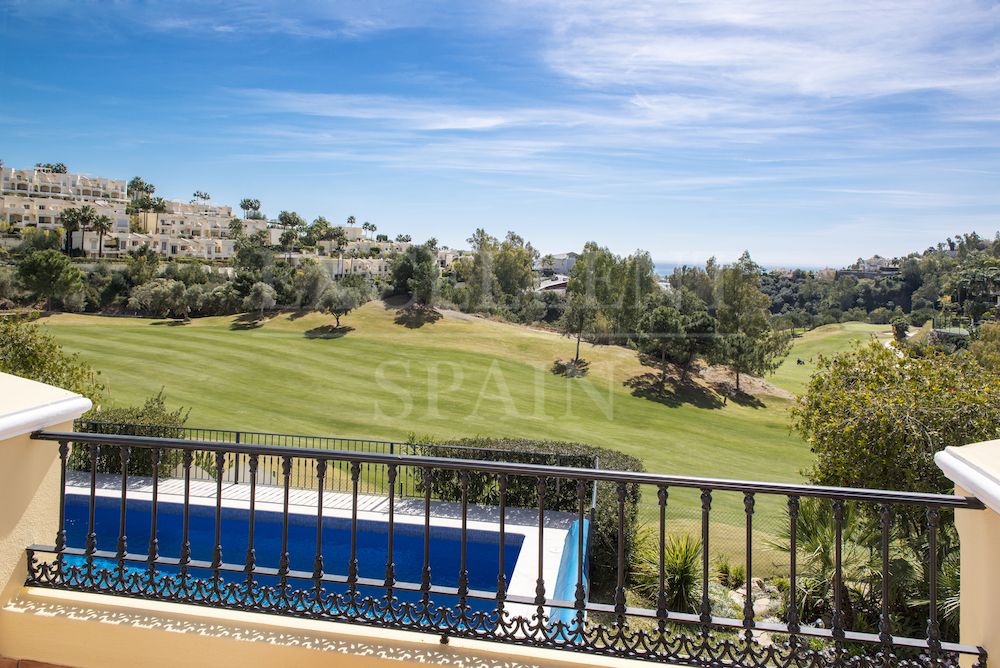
(518, 521)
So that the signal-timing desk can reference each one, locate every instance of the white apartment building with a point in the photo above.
(45, 213)
(42, 182)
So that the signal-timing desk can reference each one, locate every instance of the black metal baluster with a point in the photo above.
(884, 627)
(122, 547)
(838, 576)
(220, 466)
(620, 575)
(91, 545)
(933, 630)
(463, 568)
(61, 531)
(581, 590)
(793, 551)
(748, 623)
(390, 564)
(540, 582)
(318, 559)
(154, 541)
(286, 472)
(185, 558)
(502, 568)
(352, 568)
(662, 613)
(251, 561)
(425, 573)
(706, 604)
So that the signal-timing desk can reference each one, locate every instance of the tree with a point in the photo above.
(415, 272)
(403, 238)
(27, 351)
(54, 167)
(248, 204)
(339, 300)
(900, 326)
(288, 239)
(201, 196)
(71, 220)
(748, 344)
(352, 221)
(893, 413)
(101, 225)
(137, 187)
(49, 274)
(986, 347)
(578, 318)
(88, 215)
(338, 237)
(160, 297)
(660, 331)
(236, 227)
(291, 219)
(481, 282)
(512, 267)
(261, 297)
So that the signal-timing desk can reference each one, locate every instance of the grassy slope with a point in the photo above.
(826, 340)
(379, 380)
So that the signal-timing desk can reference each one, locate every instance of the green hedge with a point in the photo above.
(559, 495)
(149, 419)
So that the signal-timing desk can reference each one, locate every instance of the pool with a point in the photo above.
(482, 546)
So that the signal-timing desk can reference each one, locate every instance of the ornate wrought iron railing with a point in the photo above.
(562, 615)
(372, 477)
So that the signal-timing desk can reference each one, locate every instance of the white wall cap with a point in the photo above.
(975, 468)
(27, 405)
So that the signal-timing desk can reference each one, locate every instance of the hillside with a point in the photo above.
(457, 376)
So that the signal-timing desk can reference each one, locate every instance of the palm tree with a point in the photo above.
(201, 195)
(249, 204)
(351, 221)
(88, 215)
(101, 225)
(71, 223)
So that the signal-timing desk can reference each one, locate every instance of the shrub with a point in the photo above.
(681, 570)
(731, 576)
(559, 494)
(152, 418)
(27, 351)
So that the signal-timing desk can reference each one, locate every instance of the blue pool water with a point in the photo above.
(482, 547)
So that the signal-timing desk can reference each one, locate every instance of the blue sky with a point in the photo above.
(808, 133)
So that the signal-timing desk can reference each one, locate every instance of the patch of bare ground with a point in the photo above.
(723, 380)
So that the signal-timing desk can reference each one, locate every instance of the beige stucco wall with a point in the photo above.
(86, 630)
(979, 532)
(29, 504)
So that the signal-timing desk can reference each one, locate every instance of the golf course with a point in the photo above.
(384, 376)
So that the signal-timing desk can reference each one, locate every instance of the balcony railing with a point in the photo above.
(525, 607)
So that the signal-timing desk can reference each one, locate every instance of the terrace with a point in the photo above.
(224, 547)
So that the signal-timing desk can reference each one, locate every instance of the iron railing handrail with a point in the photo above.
(539, 470)
(348, 439)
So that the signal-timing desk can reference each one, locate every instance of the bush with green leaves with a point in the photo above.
(681, 570)
(28, 351)
(730, 575)
(152, 418)
(894, 413)
(559, 494)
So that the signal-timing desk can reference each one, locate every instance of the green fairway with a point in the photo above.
(825, 340)
(458, 376)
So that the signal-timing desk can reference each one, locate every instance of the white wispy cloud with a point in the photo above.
(767, 47)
